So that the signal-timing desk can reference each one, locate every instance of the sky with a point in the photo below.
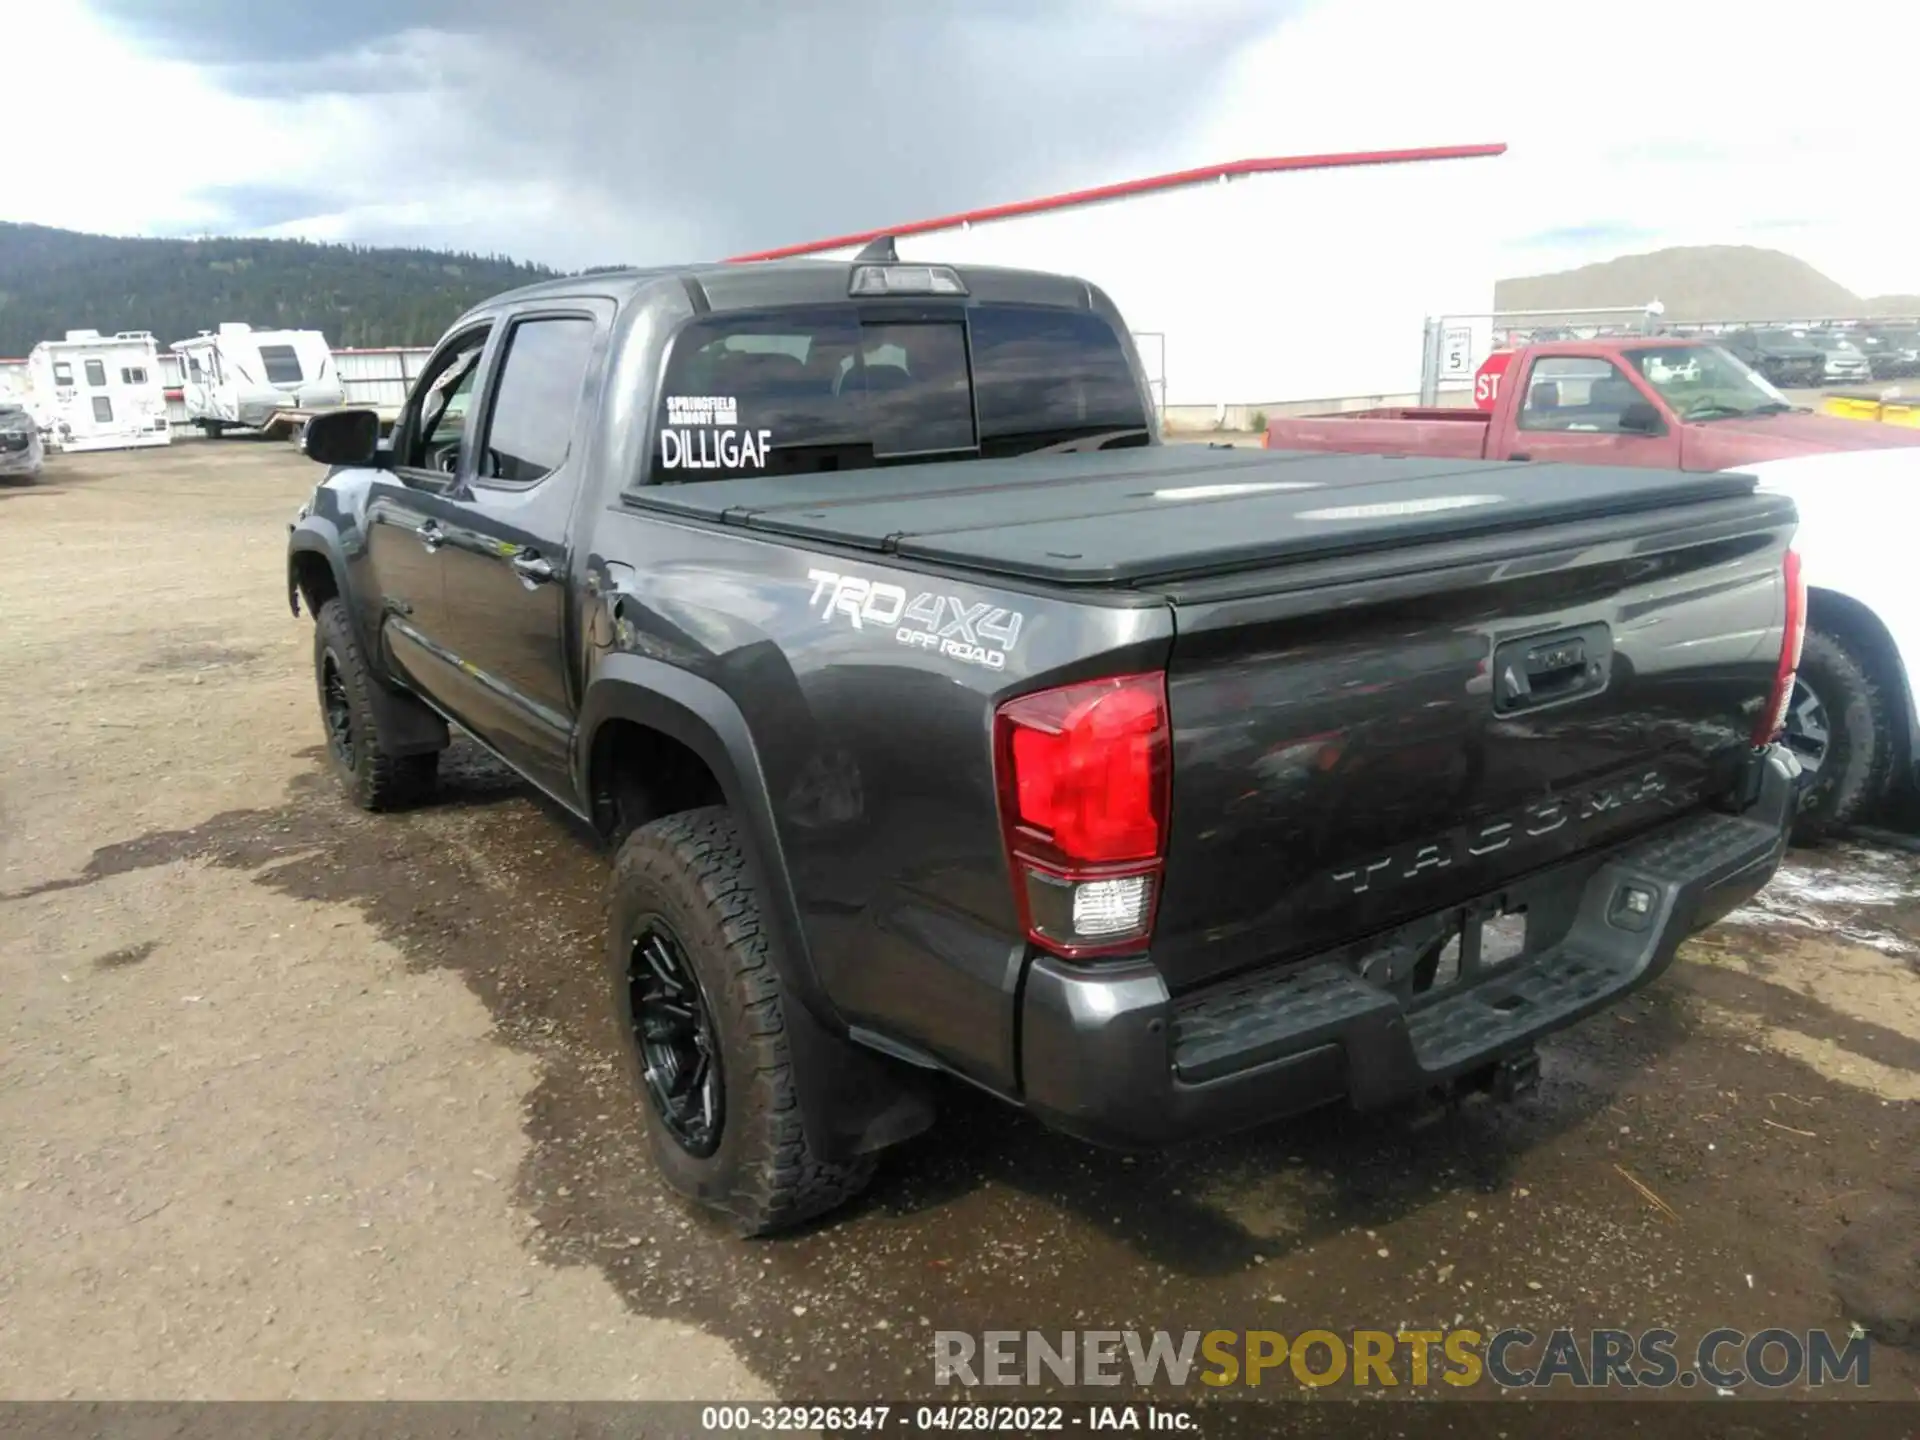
(579, 132)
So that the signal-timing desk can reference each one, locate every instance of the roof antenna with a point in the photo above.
(879, 251)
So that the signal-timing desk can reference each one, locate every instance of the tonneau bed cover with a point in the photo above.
(1076, 519)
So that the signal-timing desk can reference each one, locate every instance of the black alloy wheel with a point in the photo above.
(1809, 733)
(679, 1047)
(337, 711)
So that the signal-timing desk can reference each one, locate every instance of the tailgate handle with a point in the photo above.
(1538, 670)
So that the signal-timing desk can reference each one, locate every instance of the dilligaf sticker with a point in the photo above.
(702, 433)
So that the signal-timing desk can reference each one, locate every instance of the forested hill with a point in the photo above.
(53, 281)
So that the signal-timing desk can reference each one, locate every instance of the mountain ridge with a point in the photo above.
(1703, 282)
(53, 281)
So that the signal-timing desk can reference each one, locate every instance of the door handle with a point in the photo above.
(532, 567)
(431, 535)
(1520, 455)
(1539, 670)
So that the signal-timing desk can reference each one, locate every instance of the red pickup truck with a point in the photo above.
(1690, 404)
(1670, 403)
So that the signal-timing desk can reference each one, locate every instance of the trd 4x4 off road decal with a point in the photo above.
(976, 633)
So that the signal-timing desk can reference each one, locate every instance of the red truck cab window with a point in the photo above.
(1586, 408)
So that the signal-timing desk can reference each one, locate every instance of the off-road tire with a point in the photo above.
(691, 870)
(376, 778)
(1852, 780)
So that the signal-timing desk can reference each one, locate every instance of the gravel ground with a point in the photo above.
(296, 1101)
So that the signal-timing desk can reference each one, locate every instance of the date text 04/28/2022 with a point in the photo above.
(979, 1419)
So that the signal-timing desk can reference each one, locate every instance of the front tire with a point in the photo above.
(360, 756)
(702, 1013)
(1840, 726)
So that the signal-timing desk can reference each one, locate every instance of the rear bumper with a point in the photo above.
(1109, 1056)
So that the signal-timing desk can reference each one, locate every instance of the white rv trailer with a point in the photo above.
(237, 376)
(98, 392)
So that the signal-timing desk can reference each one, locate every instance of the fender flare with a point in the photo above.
(852, 1101)
(408, 726)
(704, 718)
(315, 535)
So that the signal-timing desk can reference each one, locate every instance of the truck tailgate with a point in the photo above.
(1361, 741)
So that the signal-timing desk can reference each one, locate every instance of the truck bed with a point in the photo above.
(1457, 433)
(1156, 514)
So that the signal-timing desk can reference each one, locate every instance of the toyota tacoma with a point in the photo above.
(943, 720)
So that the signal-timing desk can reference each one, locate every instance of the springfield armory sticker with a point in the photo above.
(702, 410)
(976, 634)
(702, 433)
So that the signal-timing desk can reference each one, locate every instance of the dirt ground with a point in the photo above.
(296, 1101)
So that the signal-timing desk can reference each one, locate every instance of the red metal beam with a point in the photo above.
(1266, 165)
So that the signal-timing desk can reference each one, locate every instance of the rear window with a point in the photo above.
(282, 364)
(1042, 376)
(796, 391)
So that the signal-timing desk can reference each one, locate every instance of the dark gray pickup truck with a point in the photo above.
(946, 721)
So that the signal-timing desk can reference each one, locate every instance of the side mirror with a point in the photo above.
(1641, 417)
(344, 437)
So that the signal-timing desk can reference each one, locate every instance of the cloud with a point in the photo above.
(1611, 235)
(575, 131)
(215, 32)
(1701, 123)
(587, 131)
(249, 206)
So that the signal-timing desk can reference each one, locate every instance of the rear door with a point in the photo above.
(505, 561)
(408, 512)
(1587, 409)
(140, 398)
(196, 384)
(100, 417)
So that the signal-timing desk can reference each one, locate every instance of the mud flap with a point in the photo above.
(853, 1101)
(406, 726)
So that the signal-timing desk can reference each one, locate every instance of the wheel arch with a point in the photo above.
(314, 573)
(702, 718)
(852, 1100)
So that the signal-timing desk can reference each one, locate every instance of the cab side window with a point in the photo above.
(437, 413)
(1581, 394)
(535, 403)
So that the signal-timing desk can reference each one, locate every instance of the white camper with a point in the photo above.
(237, 376)
(98, 392)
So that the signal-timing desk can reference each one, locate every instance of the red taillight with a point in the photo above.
(1774, 718)
(1083, 773)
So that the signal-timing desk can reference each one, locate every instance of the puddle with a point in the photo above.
(1851, 893)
